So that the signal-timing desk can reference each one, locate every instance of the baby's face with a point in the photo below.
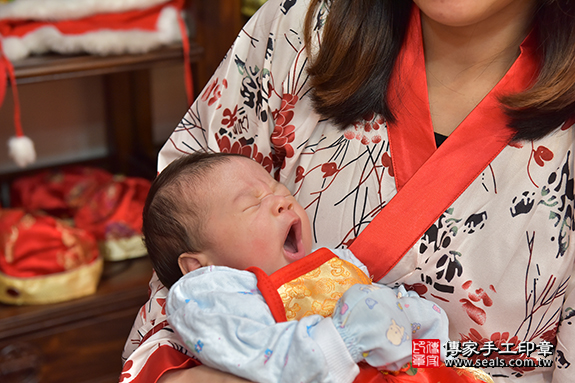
(253, 220)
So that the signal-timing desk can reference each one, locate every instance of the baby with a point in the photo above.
(234, 247)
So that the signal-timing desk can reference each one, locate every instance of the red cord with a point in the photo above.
(187, 63)
(10, 69)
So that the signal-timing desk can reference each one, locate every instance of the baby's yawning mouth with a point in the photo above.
(293, 246)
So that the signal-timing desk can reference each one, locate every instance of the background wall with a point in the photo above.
(66, 119)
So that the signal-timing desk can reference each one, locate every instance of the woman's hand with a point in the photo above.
(199, 374)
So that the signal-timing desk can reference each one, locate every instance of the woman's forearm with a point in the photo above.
(199, 374)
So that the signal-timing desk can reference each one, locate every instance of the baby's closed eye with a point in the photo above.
(254, 204)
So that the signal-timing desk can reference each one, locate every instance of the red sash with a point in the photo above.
(429, 180)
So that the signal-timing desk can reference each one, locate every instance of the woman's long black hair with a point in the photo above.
(362, 39)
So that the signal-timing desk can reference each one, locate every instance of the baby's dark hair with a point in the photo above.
(173, 217)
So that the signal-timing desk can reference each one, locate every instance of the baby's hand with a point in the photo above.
(375, 324)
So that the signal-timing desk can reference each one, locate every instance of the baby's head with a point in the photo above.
(224, 210)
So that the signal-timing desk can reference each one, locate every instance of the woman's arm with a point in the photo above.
(199, 374)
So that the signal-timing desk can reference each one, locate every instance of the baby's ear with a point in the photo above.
(192, 261)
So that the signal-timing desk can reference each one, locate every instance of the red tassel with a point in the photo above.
(20, 148)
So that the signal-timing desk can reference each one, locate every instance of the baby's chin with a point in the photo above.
(282, 262)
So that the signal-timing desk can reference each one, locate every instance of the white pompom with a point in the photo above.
(21, 149)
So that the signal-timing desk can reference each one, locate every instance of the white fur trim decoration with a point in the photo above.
(52, 10)
(102, 42)
(21, 149)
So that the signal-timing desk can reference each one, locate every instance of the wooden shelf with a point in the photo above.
(57, 67)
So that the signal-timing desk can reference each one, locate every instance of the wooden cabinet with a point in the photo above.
(127, 97)
(214, 25)
(75, 341)
(82, 340)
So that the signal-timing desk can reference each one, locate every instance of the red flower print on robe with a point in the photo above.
(419, 288)
(366, 131)
(162, 303)
(230, 117)
(214, 91)
(127, 367)
(283, 134)
(299, 174)
(542, 154)
(476, 296)
(329, 169)
(242, 147)
(502, 342)
(387, 163)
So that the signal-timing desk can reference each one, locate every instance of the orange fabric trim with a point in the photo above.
(318, 290)
(429, 180)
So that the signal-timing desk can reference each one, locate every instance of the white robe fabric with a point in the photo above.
(498, 261)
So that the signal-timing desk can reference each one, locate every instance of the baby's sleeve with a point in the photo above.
(224, 321)
(378, 324)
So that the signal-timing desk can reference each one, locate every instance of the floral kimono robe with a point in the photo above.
(480, 226)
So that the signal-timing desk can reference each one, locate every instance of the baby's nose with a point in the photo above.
(283, 204)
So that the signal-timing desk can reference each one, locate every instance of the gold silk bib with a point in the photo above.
(318, 291)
